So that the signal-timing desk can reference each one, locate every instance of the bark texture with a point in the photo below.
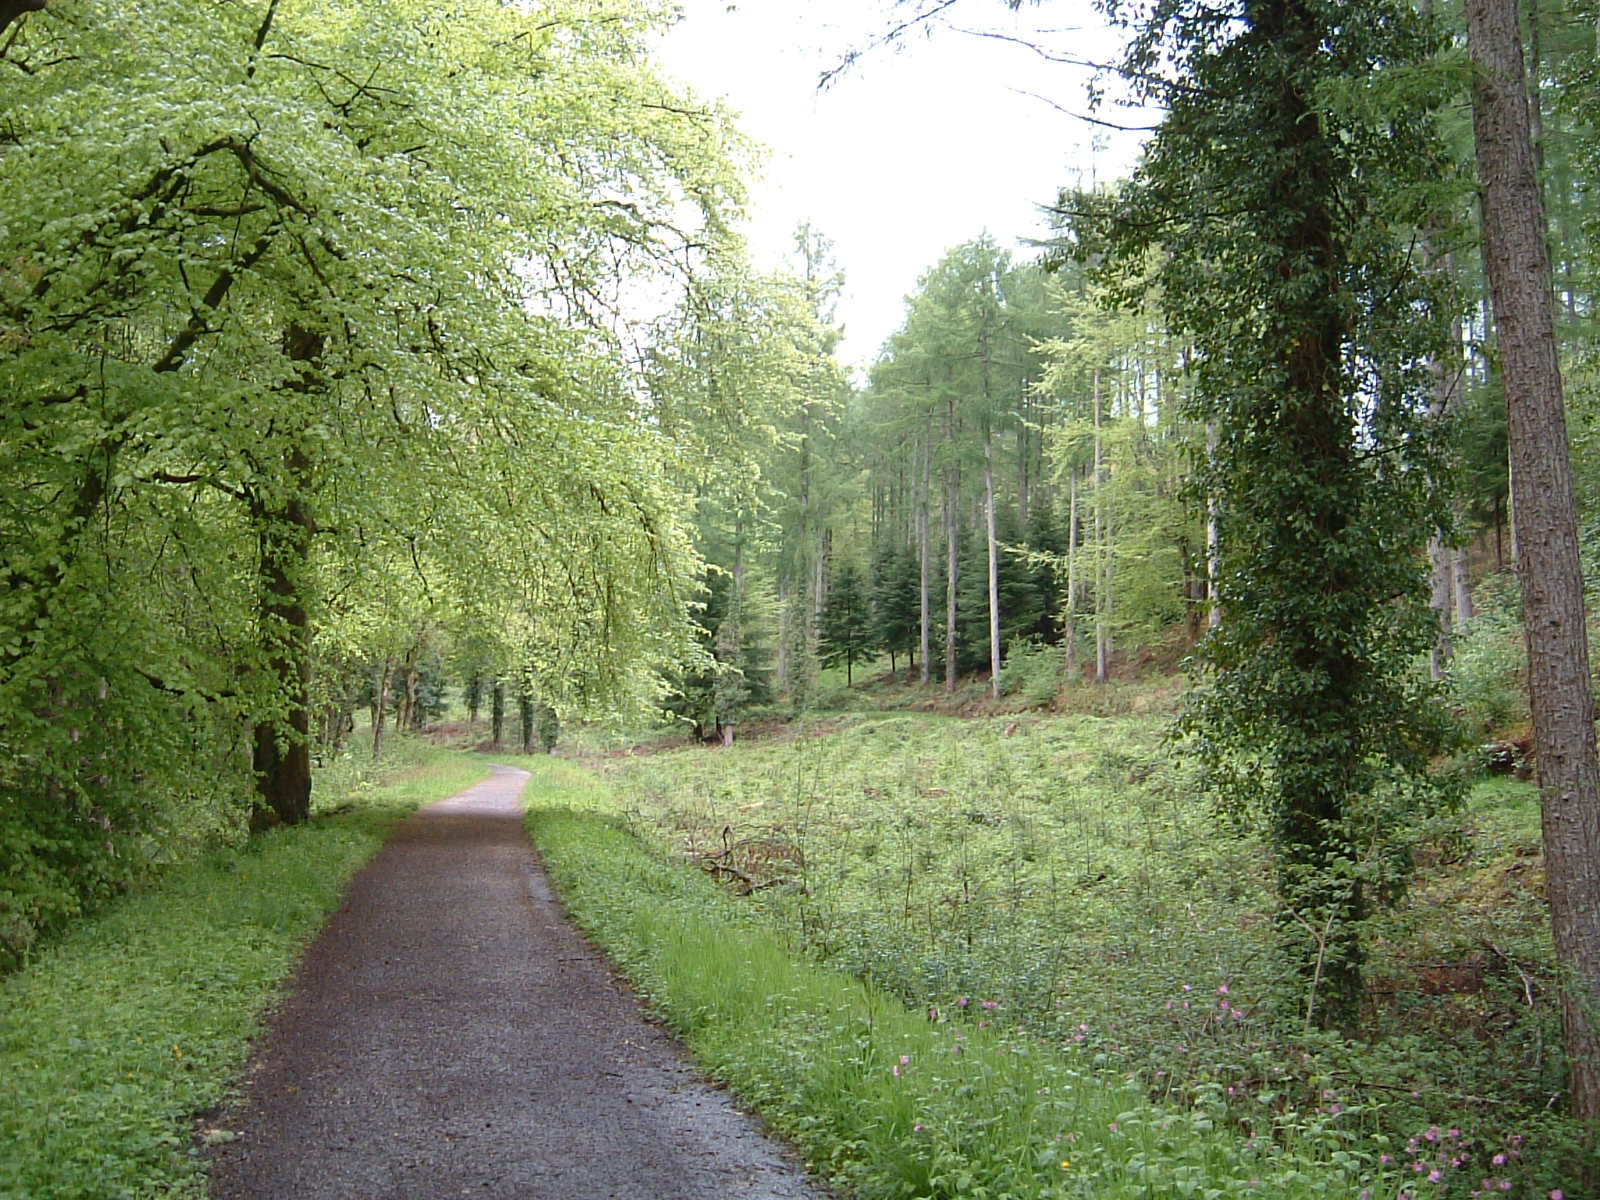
(1546, 541)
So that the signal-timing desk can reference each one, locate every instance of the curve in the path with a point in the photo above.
(451, 1034)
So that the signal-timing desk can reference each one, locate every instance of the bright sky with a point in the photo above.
(914, 150)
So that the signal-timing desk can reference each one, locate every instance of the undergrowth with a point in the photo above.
(1066, 870)
(115, 1037)
(954, 1098)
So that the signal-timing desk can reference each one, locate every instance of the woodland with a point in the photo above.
(368, 363)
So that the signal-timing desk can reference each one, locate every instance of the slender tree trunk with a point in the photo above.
(924, 561)
(1070, 624)
(1213, 546)
(380, 708)
(497, 713)
(1461, 579)
(1545, 542)
(1102, 537)
(952, 503)
(994, 564)
(784, 634)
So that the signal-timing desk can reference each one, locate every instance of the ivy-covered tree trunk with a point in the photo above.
(1548, 566)
(282, 755)
(1284, 214)
(280, 511)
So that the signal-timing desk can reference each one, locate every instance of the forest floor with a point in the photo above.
(451, 1033)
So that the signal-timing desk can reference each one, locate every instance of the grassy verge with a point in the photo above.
(884, 1100)
(112, 1039)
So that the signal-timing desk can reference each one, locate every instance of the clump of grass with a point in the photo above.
(890, 1101)
(115, 1037)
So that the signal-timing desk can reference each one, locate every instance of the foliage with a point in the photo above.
(1032, 672)
(114, 1037)
(302, 320)
(1283, 190)
(1486, 685)
(890, 1101)
(846, 629)
(1069, 869)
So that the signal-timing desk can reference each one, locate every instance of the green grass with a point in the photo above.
(887, 1100)
(115, 1037)
(1069, 868)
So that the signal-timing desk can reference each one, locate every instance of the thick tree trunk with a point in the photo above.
(284, 530)
(1546, 542)
(525, 717)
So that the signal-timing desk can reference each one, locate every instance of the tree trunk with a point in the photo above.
(497, 713)
(284, 528)
(380, 706)
(525, 719)
(924, 554)
(1545, 542)
(952, 501)
(994, 565)
(1102, 540)
(1213, 546)
(1070, 622)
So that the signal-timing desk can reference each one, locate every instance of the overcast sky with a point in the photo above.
(913, 150)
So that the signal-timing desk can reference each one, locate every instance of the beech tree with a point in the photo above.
(301, 299)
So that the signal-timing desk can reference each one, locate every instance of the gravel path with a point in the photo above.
(451, 1034)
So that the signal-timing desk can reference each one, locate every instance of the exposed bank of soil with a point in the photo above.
(451, 1034)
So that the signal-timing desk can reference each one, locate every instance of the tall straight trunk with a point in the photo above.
(497, 713)
(1446, 373)
(952, 501)
(1070, 623)
(1024, 441)
(525, 721)
(1461, 581)
(1546, 534)
(994, 564)
(1102, 535)
(924, 550)
(781, 669)
(1213, 545)
(380, 708)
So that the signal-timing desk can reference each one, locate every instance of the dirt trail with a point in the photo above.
(451, 1034)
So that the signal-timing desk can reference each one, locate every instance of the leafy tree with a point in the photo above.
(1298, 143)
(299, 315)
